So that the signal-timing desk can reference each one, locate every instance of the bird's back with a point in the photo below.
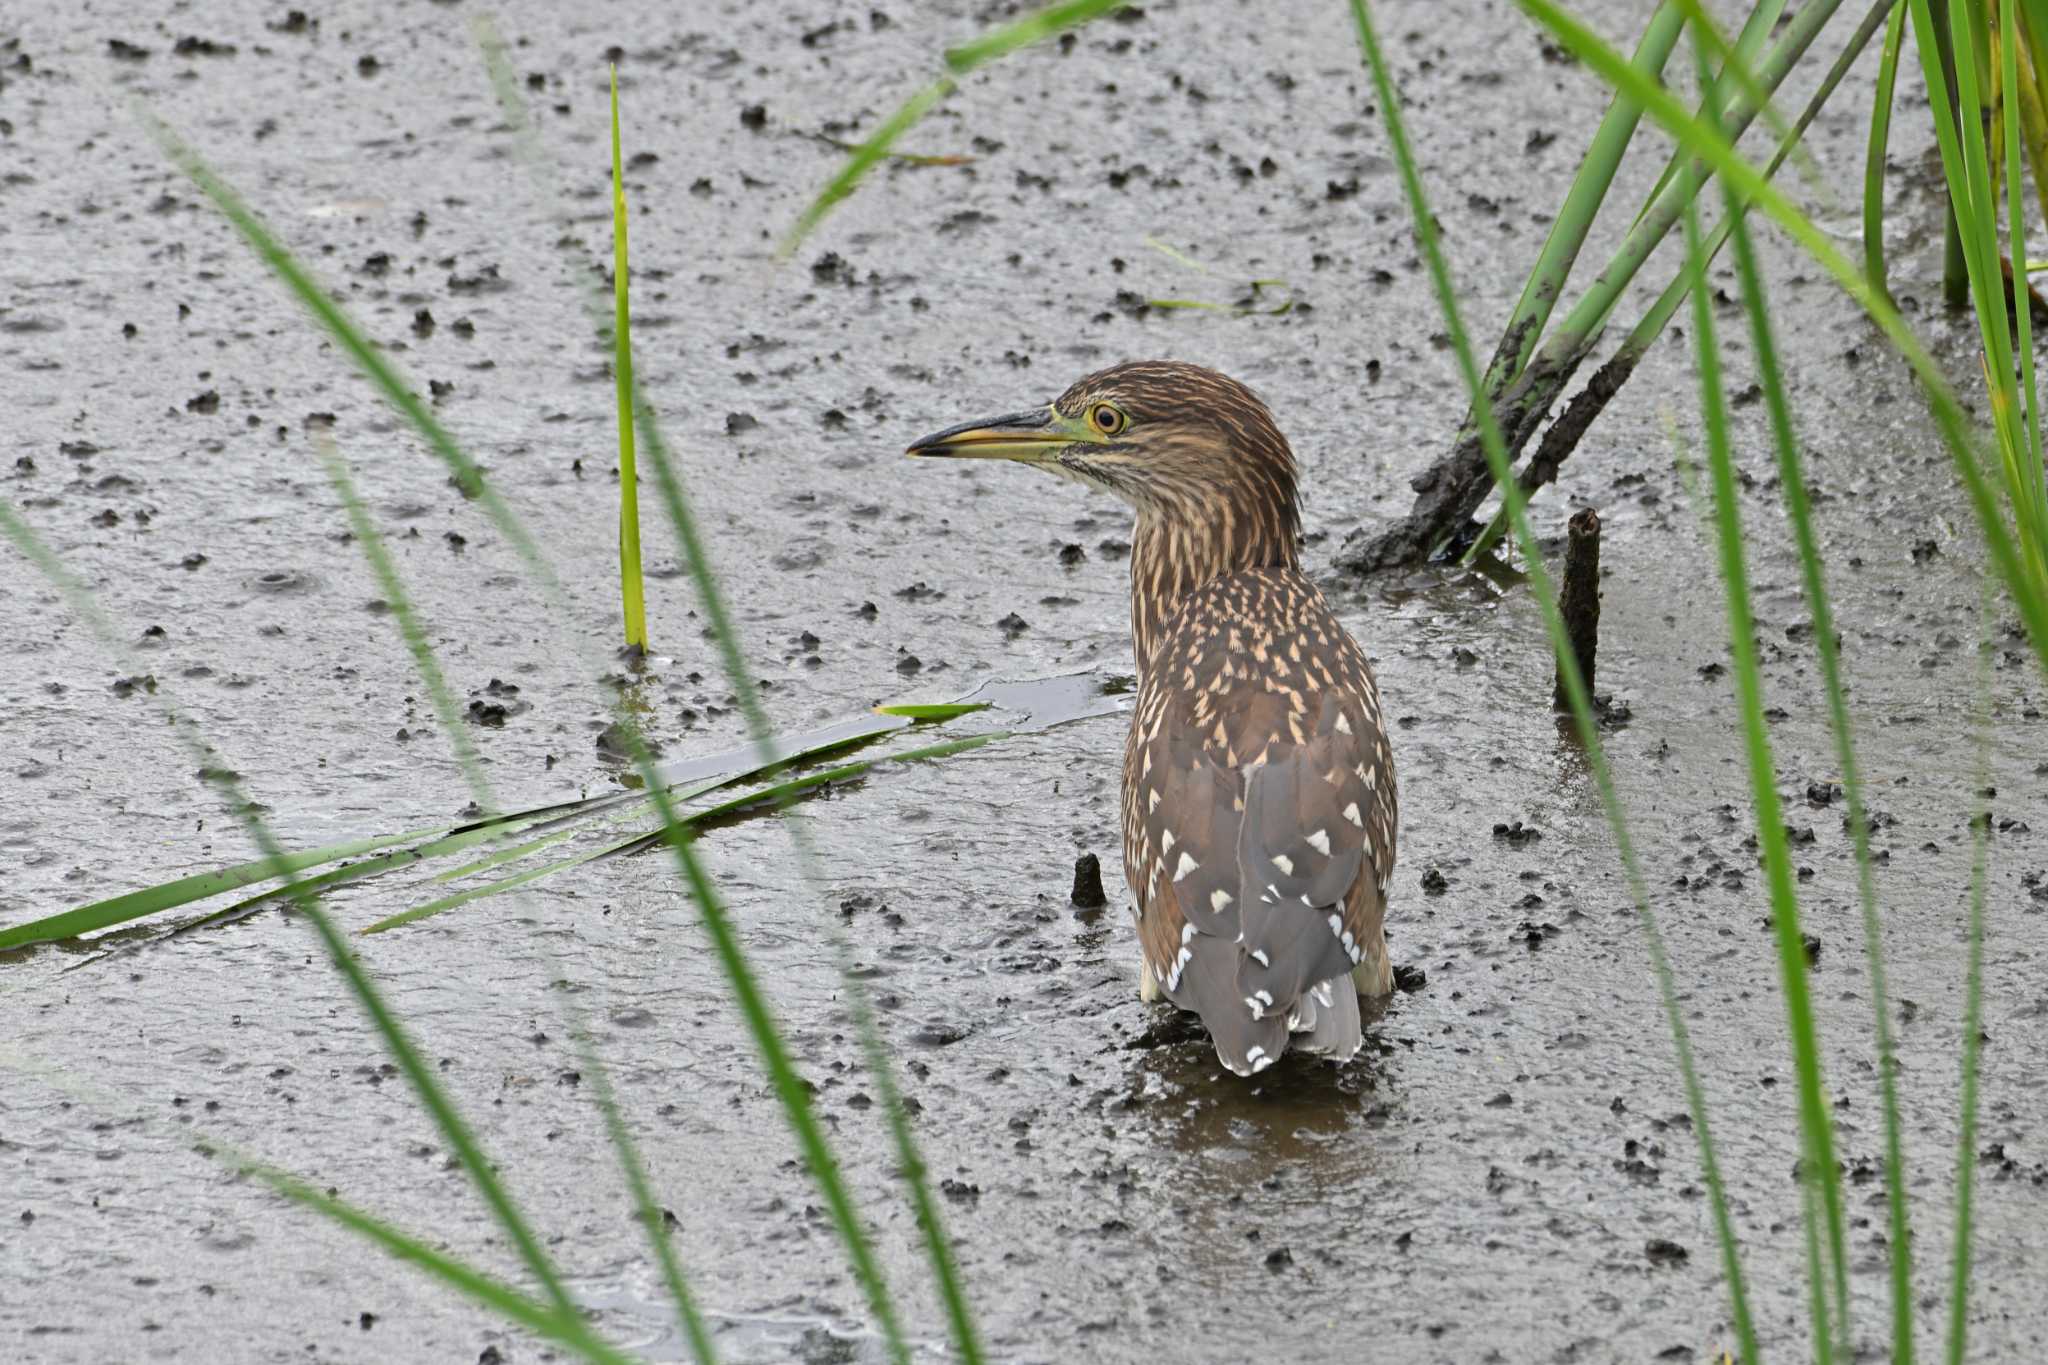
(1260, 816)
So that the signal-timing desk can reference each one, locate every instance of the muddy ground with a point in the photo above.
(1504, 1175)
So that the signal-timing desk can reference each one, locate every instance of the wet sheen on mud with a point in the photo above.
(1504, 1173)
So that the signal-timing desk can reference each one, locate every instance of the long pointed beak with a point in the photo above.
(1033, 437)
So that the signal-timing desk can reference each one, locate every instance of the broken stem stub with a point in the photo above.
(1580, 601)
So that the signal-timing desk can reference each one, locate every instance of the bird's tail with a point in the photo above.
(1326, 1022)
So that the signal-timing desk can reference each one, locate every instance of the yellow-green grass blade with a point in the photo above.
(694, 553)
(567, 1330)
(353, 343)
(1798, 507)
(1032, 28)
(2028, 594)
(928, 711)
(1975, 201)
(397, 1041)
(2028, 454)
(650, 1213)
(340, 876)
(632, 588)
(1879, 149)
(1816, 1129)
(772, 797)
(1575, 683)
(1629, 354)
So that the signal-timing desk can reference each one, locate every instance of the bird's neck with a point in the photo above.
(1176, 550)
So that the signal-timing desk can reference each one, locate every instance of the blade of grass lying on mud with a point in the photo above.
(150, 900)
(1249, 304)
(335, 320)
(931, 710)
(694, 553)
(650, 1213)
(1973, 1011)
(409, 405)
(438, 841)
(632, 588)
(1798, 507)
(454, 1131)
(2030, 597)
(1586, 405)
(134, 905)
(1817, 1132)
(1879, 150)
(1575, 683)
(770, 798)
(992, 46)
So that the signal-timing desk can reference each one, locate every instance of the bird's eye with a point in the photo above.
(1106, 419)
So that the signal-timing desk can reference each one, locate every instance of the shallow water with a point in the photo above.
(1483, 1183)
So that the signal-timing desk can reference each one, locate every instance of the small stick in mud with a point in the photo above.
(1087, 892)
(1580, 601)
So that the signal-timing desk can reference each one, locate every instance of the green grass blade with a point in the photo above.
(2028, 462)
(1879, 150)
(631, 586)
(1763, 17)
(493, 888)
(1557, 359)
(1033, 28)
(862, 160)
(453, 1130)
(150, 900)
(1049, 22)
(1629, 354)
(2029, 595)
(567, 1330)
(675, 503)
(1816, 1129)
(1973, 1013)
(331, 317)
(1792, 479)
(1581, 205)
(410, 626)
(1575, 684)
(782, 1075)
(650, 1213)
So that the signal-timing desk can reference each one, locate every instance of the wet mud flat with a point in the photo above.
(1506, 1172)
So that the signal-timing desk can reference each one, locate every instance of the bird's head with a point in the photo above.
(1173, 440)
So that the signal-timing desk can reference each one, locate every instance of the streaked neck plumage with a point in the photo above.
(1184, 540)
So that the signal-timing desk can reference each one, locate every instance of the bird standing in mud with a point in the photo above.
(1258, 788)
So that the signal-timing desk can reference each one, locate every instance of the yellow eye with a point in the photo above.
(1107, 420)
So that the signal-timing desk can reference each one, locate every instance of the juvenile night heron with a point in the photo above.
(1258, 788)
